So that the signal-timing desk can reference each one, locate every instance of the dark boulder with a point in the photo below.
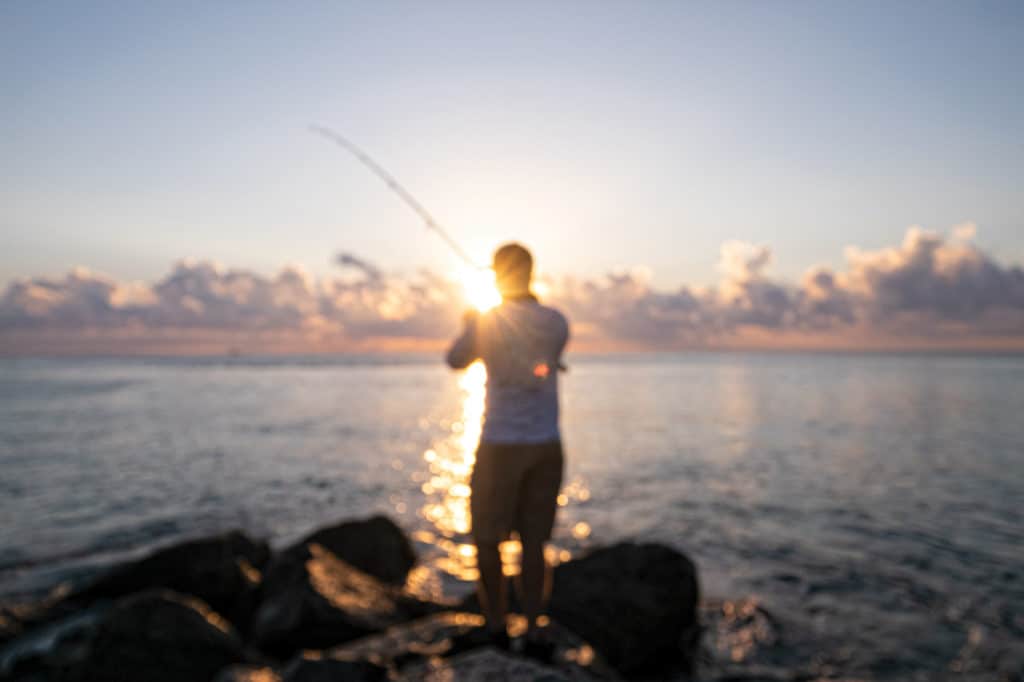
(223, 571)
(158, 636)
(375, 545)
(311, 599)
(635, 603)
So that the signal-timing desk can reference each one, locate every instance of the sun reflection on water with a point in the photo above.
(446, 489)
(445, 485)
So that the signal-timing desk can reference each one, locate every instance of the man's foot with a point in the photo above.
(477, 638)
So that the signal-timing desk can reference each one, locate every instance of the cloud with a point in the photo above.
(928, 276)
(205, 295)
(202, 306)
(928, 291)
(80, 298)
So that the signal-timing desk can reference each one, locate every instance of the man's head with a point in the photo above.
(513, 268)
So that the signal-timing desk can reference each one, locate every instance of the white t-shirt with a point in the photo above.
(521, 343)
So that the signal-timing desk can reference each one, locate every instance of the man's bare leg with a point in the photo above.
(491, 590)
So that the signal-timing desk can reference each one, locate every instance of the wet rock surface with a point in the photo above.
(247, 673)
(21, 619)
(10, 625)
(491, 665)
(418, 639)
(315, 667)
(312, 599)
(375, 546)
(422, 649)
(157, 636)
(223, 571)
(52, 645)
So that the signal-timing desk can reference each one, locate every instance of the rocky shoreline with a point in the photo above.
(334, 606)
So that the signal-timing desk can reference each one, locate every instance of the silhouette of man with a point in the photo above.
(518, 470)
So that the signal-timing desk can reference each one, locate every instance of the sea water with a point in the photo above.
(862, 514)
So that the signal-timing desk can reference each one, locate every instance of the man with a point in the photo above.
(518, 470)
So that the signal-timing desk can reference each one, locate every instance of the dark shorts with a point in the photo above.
(515, 488)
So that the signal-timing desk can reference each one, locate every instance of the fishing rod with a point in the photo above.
(409, 200)
(397, 188)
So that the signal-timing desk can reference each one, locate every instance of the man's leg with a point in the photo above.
(538, 502)
(491, 590)
(491, 510)
(535, 581)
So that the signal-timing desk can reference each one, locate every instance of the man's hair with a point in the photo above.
(513, 264)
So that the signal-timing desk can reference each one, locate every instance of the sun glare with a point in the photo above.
(479, 288)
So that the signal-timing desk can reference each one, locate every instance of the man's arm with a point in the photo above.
(464, 351)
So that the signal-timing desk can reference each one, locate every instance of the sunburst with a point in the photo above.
(479, 288)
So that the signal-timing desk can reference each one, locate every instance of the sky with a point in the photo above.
(650, 141)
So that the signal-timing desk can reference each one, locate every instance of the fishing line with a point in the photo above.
(397, 188)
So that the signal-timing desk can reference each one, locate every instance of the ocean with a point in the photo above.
(854, 516)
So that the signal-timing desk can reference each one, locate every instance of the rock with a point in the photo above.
(10, 624)
(339, 583)
(50, 645)
(406, 642)
(223, 571)
(635, 603)
(311, 599)
(490, 665)
(375, 545)
(247, 673)
(412, 651)
(21, 618)
(311, 666)
(158, 636)
(315, 667)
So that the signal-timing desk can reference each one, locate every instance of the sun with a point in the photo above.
(479, 288)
